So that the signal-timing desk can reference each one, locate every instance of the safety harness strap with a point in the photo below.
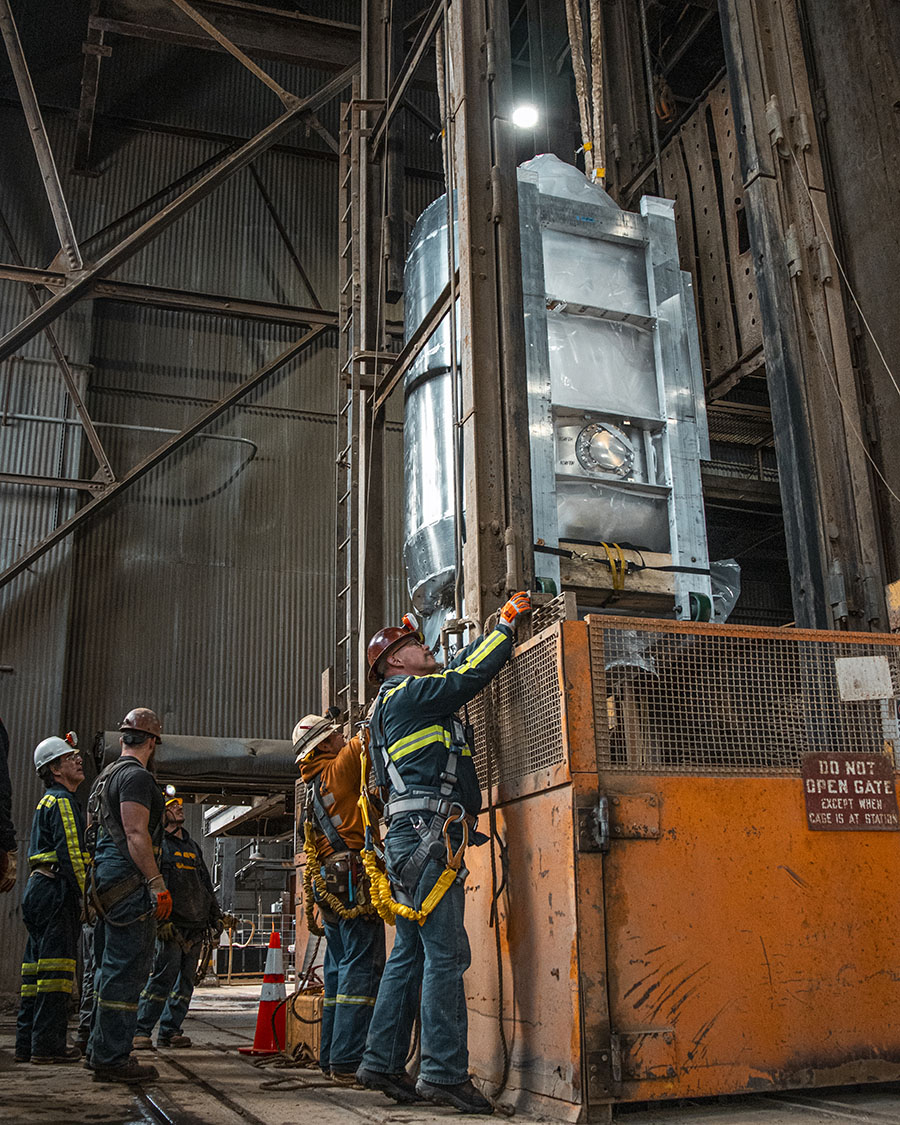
(322, 819)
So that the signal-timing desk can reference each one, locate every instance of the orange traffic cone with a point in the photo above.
(270, 1030)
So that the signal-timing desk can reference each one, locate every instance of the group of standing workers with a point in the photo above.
(421, 754)
(147, 884)
(143, 883)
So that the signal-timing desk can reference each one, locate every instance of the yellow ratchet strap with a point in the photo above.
(617, 565)
(379, 885)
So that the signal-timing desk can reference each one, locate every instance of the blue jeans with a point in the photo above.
(432, 957)
(354, 962)
(123, 952)
(169, 990)
(50, 910)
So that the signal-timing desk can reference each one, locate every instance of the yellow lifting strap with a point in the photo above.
(617, 565)
(379, 886)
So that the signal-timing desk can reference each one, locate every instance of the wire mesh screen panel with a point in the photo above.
(518, 717)
(730, 699)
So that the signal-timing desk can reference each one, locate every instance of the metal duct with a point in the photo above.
(223, 766)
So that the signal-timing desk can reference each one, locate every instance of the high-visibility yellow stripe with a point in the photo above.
(116, 1005)
(56, 984)
(56, 965)
(29, 968)
(328, 1002)
(73, 843)
(145, 995)
(43, 857)
(364, 1001)
(487, 646)
(47, 801)
(28, 990)
(419, 738)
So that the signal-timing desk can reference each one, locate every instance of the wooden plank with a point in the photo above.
(743, 277)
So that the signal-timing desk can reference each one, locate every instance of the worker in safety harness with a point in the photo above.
(423, 757)
(335, 879)
(128, 894)
(51, 907)
(179, 941)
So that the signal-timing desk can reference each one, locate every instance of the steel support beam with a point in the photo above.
(269, 33)
(498, 552)
(62, 363)
(39, 139)
(52, 482)
(150, 462)
(411, 349)
(177, 300)
(80, 286)
(401, 81)
(94, 51)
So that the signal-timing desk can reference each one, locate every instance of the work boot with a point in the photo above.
(22, 1058)
(463, 1096)
(400, 1086)
(142, 1043)
(130, 1071)
(173, 1041)
(344, 1078)
(69, 1055)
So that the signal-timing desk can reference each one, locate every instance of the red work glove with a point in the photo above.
(518, 603)
(162, 900)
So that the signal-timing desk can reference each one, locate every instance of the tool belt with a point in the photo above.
(418, 801)
(106, 899)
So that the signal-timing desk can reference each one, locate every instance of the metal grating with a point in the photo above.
(737, 700)
(518, 717)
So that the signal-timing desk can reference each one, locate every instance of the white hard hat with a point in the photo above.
(49, 750)
(309, 732)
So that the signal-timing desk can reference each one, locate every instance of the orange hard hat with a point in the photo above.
(384, 642)
(142, 718)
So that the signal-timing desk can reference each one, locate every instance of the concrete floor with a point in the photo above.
(211, 1084)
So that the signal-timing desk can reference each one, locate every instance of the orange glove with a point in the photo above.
(162, 900)
(518, 603)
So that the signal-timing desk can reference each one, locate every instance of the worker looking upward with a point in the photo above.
(128, 893)
(423, 755)
(354, 934)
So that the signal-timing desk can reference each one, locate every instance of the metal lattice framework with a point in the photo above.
(729, 699)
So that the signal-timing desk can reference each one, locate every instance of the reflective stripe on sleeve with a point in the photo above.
(73, 843)
(417, 740)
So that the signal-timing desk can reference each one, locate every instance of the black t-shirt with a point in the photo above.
(130, 782)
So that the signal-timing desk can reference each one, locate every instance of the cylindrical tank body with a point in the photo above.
(428, 432)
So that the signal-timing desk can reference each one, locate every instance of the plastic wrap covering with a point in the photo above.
(590, 512)
(604, 275)
(725, 579)
(601, 363)
(553, 177)
(218, 765)
(429, 519)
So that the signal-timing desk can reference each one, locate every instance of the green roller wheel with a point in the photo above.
(701, 607)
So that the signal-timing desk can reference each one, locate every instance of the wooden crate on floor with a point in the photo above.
(304, 1021)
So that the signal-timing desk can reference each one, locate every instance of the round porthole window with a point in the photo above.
(601, 448)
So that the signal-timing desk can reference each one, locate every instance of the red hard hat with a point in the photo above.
(142, 718)
(385, 641)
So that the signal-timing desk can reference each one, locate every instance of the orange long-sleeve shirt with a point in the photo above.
(340, 778)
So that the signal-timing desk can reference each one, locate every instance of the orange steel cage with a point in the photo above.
(667, 923)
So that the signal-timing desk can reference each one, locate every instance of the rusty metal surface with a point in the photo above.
(539, 942)
(768, 950)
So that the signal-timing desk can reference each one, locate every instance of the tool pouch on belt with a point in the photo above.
(346, 879)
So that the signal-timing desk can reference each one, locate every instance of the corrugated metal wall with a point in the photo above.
(205, 591)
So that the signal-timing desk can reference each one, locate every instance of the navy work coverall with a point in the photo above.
(354, 950)
(124, 938)
(51, 908)
(416, 715)
(168, 992)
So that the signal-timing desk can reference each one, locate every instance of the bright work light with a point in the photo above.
(525, 116)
